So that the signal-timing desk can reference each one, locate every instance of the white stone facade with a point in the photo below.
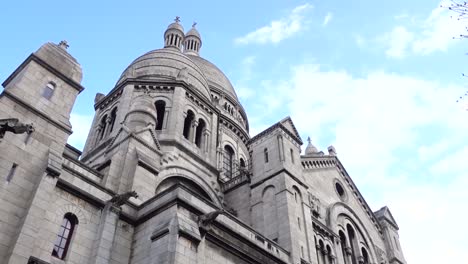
(172, 130)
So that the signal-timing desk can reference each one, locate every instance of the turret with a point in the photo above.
(192, 42)
(174, 35)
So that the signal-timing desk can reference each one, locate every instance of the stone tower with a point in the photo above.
(41, 92)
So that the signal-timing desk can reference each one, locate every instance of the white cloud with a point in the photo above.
(435, 33)
(278, 30)
(398, 40)
(80, 126)
(386, 128)
(327, 19)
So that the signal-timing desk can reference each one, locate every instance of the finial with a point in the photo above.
(194, 24)
(177, 19)
(63, 44)
(308, 140)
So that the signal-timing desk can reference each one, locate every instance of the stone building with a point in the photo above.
(169, 173)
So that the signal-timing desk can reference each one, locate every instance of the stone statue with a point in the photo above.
(13, 125)
(120, 199)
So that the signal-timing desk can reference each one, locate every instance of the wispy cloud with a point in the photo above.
(327, 19)
(278, 30)
(423, 37)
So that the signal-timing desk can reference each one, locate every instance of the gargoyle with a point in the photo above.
(120, 199)
(205, 221)
(13, 125)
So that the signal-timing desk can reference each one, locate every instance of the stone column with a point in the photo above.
(102, 247)
(193, 131)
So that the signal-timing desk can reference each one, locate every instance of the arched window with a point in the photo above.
(199, 133)
(365, 256)
(291, 152)
(62, 242)
(329, 254)
(102, 126)
(113, 116)
(265, 154)
(48, 90)
(343, 246)
(188, 124)
(352, 241)
(160, 111)
(228, 161)
(242, 163)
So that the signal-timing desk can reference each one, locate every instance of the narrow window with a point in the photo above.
(160, 111)
(343, 246)
(62, 242)
(330, 255)
(113, 116)
(48, 90)
(199, 132)
(299, 222)
(352, 238)
(265, 153)
(365, 256)
(11, 173)
(242, 163)
(188, 124)
(228, 161)
(103, 125)
(292, 155)
(302, 251)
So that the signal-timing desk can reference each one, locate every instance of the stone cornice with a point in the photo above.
(271, 129)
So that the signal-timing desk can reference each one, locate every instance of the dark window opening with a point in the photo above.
(160, 111)
(188, 124)
(265, 153)
(199, 133)
(62, 242)
(365, 256)
(228, 161)
(113, 116)
(339, 189)
(103, 125)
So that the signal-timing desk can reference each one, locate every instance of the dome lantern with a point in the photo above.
(174, 35)
(192, 43)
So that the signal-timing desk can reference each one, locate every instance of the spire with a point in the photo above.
(310, 149)
(174, 35)
(193, 41)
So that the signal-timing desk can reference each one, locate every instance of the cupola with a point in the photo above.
(174, 35)
(192, 43)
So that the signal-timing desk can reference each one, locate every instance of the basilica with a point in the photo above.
(169, 173)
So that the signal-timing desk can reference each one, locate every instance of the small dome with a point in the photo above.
(311, 149)
(176, 25)
(167, 64)
(193, 32)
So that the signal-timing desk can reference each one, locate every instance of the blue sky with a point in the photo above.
(377, 79)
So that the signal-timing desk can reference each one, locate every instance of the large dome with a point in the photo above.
(215, 76)
(167, 64)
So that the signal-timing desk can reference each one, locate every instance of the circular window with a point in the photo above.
(340, 190)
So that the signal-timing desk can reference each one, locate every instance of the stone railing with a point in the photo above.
(311, 163)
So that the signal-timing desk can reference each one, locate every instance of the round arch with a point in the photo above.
(341, 209)
(189, 176)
